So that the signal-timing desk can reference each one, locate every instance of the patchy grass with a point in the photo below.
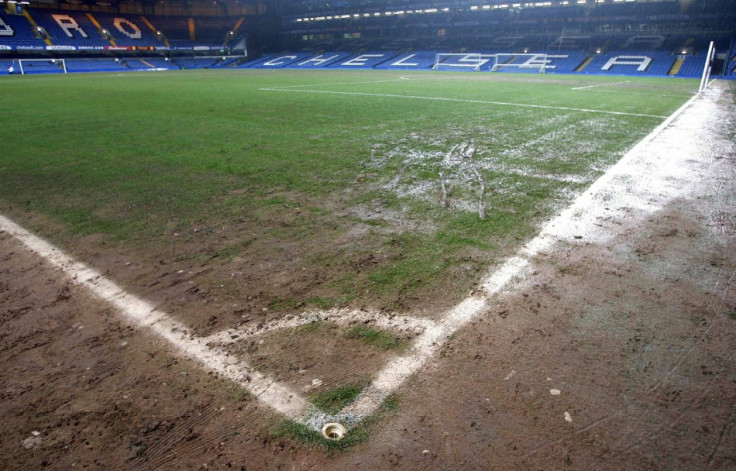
(310, 327)
(313, 439)
(374, 337)
(335, 399)
(235, 392)
(234, 174)
(288, 429)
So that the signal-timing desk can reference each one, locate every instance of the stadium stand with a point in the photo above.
(276, 61)
(64, 29)
(320, 60)
(100, 30)
(94, 65)
(730, 65)
(18, 33)
(662, 38)
(195, 63)
(410, 60)
(692, 66)
(631, 63)
(365, 60)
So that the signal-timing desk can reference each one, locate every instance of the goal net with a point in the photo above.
(42, 66)
(519, 63)
(460, 61)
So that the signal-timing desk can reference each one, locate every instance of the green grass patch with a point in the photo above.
(311, 327)
(335, 399)
(313, 439)
(288, 429)
(374, 337)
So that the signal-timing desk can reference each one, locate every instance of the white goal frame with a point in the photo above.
(52, 61)
(536, 61)
(467, 60)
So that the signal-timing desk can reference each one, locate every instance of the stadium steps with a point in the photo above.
(676, 66)
(35, 25)
(154, 30)
(390, 58)
(100, 28)
(584, 64)
(234, 30)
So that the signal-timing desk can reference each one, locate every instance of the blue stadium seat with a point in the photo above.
(20, 33)
(631, 63)
(692, 66)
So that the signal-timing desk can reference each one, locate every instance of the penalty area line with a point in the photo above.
(600, 85)
(465, 100)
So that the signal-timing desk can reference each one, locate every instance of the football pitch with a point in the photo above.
(384, 186)
(238, 201)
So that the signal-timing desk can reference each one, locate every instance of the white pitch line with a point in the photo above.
(292, 87)
(337, 316)
(464, 100)
(144, 315)
(643, 179)
(649, 94)
(600, 85)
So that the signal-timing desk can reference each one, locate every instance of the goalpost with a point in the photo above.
(42, 66)
(460, 61)
(522, 62)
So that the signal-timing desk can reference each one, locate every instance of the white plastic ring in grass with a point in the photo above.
(334, 431)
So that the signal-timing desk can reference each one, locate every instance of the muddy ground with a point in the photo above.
(615, 356)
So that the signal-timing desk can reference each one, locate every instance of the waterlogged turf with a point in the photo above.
(314, 188)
